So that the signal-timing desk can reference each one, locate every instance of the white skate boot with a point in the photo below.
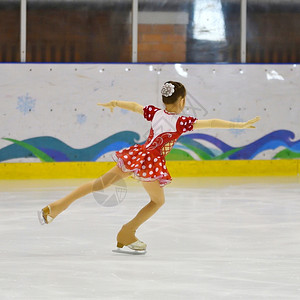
(136, 248)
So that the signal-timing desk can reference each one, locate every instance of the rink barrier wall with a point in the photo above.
(176, 168)
(64, 124)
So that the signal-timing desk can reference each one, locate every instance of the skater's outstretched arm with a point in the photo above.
(216, 123)
(132, 106)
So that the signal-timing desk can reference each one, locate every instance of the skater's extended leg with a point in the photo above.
(104, 181)
(127, 234)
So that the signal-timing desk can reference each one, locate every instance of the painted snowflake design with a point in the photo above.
(81, 119)
(26, 104)
(237, 132)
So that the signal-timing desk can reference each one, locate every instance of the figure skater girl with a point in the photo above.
(145, 162)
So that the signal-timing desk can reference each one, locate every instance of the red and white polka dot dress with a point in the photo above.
(147, 161)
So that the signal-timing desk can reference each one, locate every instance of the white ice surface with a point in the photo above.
(215, 238)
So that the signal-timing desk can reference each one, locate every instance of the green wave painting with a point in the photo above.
(188, 147)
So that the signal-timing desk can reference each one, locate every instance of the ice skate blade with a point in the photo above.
(41, 217)
(130, 252)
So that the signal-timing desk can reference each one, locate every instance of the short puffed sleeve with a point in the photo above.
(149, 112)
(185, 124)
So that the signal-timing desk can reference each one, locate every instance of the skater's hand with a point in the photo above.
(250, 123)
(111, 105)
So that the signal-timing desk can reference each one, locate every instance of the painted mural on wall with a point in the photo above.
(188, 147)
(49, 113)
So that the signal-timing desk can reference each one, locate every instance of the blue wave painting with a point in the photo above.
(60, 152)
(188, 147)
(272, 141)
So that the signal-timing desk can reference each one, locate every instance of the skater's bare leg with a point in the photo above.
(104, 181)
(127, 234)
